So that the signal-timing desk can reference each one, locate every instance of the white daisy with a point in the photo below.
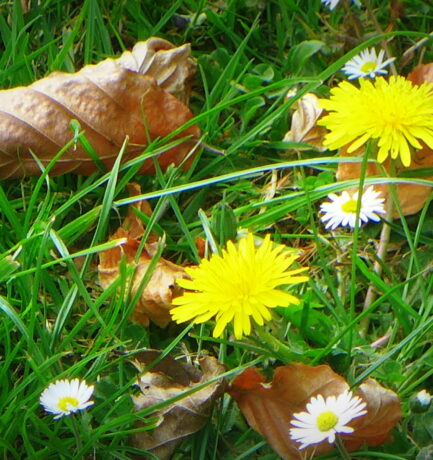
(423, 397)
(325, 418)
(341, 210)
(66, 396)
(333, 3)
(366, 64)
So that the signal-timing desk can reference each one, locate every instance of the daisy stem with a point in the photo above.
(76, 432)
(377, 268)
(340, 447)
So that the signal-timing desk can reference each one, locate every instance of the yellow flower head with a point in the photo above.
(396, 113)
(241, 283)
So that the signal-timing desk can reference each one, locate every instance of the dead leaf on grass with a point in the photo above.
(183, 417)
(110, 101)
(304, 126)
(269, 407)
(155, 300)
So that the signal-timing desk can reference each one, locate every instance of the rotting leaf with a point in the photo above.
(384, 413)
(110, 102)
(180, 418)
(304, 126)
(172, 67)
(155, 300)
(269, 407)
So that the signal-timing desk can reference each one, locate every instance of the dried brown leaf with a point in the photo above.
(384, 413)
(156, 298)
(304, 126)
(110, 102)
(183, 417)
(269, 407)
(172, 67)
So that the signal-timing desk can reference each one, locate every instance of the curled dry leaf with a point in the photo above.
(304, 126)
(155, 300)
(183, 417)
(110, 101)
(172, 67)
(269, 407)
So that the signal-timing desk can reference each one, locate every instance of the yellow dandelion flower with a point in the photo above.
(396, 113)
(243, 283)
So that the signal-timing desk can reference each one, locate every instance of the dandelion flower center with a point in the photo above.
(326, 420)
(396, 114)
(67, 403)
(349, 206)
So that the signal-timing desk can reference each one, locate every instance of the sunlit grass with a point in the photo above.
(57, 322)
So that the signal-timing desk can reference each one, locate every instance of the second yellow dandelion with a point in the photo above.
(241, 284)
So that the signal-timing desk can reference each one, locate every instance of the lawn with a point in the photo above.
(175, 300)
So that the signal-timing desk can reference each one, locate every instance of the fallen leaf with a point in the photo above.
(304, 126)
(155, 300)
(421, 73)
(269, 407)
(384, 413)
(183, 417)
(172, 67)
(110, 101)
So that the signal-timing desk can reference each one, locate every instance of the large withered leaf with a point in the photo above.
(269, 407)
(154, 302)
(109, 100)
(183, 417)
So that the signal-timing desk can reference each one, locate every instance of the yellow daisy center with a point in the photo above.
(350, 206)
(326, 421)
(67, 402)
(368, 67)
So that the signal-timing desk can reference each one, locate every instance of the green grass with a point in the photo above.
(56, 322)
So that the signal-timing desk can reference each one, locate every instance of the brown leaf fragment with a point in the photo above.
(110, 102)
(269, 407)
(384, 412)
(421, 73)
(181, 418)
(304, 126)
(156, 298)
(172, 67)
